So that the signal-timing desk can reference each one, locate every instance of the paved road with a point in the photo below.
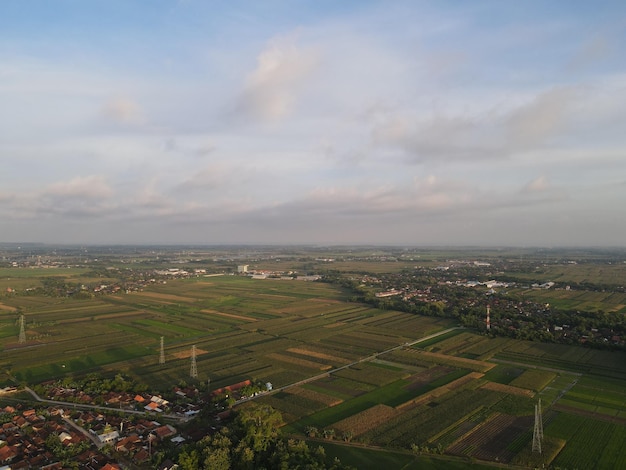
(82, 406)
(365, 359)
(285, 387)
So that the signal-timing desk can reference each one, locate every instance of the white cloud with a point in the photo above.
(539, 184)
(123, 110)
(271, 89)
(90, 187)
(541, 119)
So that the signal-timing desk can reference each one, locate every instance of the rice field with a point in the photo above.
(459, 391)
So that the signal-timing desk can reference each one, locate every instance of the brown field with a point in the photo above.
(187, 353)
(366, 420)
(7, 307)
(511, 390)
(317, 355)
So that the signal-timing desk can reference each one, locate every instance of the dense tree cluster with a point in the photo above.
(252, 442)
(510, 315)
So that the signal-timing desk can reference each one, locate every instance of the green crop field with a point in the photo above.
(460, 390)
(590, 443)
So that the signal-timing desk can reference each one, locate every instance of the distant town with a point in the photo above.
(102, 419)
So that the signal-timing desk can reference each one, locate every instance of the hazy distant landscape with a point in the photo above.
(364, 347)
(312, 235)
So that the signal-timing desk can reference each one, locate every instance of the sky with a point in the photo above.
(415, 123)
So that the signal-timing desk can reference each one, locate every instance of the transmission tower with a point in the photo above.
(162, 355)
(193, 373)
(538, 430)
(540, 420)
(22, 338)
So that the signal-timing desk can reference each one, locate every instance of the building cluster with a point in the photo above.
(43, 438)
(129, 400)
(526, 319)
(269, 274)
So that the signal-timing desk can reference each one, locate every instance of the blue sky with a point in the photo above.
(411, 123)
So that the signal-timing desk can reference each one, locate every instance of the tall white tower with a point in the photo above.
(162, 354)
(538, 429)
(193, 373)
(488, 322)
(22, 337)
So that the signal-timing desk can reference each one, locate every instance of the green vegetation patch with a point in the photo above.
(590, 444)
(503, 374)
(362, 458)
(534, 379)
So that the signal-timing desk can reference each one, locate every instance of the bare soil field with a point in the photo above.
(187, 353)
(511, 390)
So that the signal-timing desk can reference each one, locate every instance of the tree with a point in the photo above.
(259, 425)
(189, 460)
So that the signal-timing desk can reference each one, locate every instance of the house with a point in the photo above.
(7, 453)
(165, 431)
(141, 456)
(128, 444)
(168, 465)
(152, 406)
(109, 437)
(111, 466)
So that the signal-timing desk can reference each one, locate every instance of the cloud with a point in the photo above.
(209, 178)
(538, 185)
(590, 52)
(271, 89)
(441, 137)
(478, 131)
(123, 111)
(87, 187)
(540, 119)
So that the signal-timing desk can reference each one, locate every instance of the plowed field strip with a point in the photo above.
(229, 315)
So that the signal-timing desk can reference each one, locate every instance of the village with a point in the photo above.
(100, 432)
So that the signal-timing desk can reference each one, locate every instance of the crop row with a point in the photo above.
(370, 374)
(588, 441)
(610, 369)
(310, 352)
(366, 420)
(294, 361)
(270, 344)
(320, 333)
(452, 342)
(442, 359)
(347, 346)
(314, 395)
(420, 424)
